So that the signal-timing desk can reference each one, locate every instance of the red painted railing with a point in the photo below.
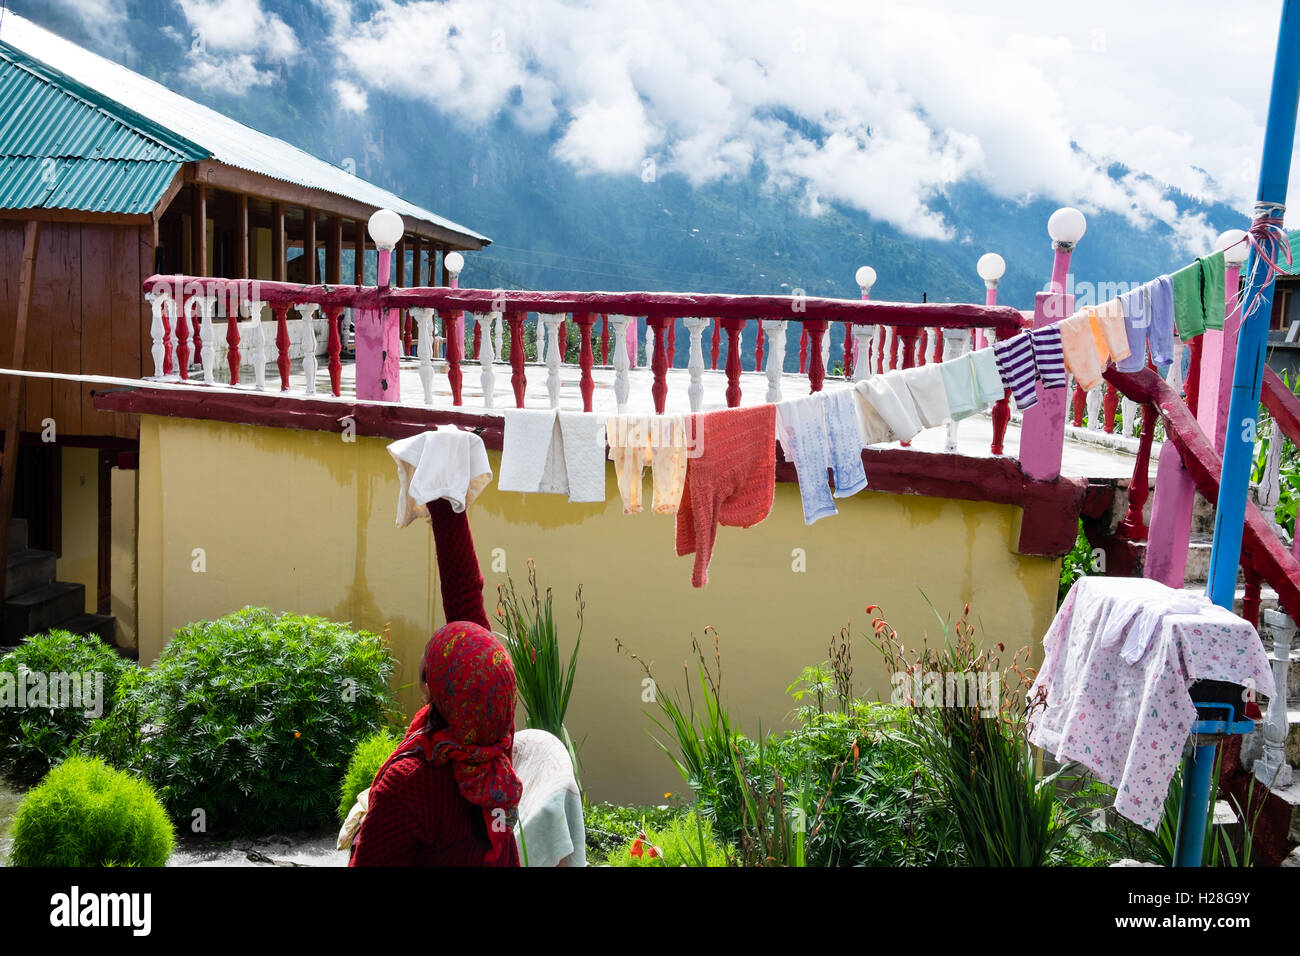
(913, 326)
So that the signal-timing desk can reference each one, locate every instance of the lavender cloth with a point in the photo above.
(1149, 322)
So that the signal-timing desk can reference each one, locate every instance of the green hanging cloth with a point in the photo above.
(1199, 296)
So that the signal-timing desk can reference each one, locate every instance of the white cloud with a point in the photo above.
(880, 107)
(235, 45)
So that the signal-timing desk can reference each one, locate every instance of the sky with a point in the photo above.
(878, 106)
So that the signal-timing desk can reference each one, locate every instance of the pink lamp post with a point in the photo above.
(991, 267)
(452, 263)
(1219, 348)
(377, 334)
(1042, 427)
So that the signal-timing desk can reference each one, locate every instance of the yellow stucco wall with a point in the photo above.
(79, 553)
(304, 521)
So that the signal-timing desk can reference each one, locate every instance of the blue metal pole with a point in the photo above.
(1248, 373)
(1192, 815)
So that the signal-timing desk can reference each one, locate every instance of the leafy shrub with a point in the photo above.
(365, 763)
(686, 841)
(85, 813)
(1080, 562)
(35, 737)
(253, 718)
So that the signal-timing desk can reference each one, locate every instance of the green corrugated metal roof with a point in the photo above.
(66, 146)
(174, 120)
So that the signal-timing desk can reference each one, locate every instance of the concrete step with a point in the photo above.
(29, 568)
(103, 626)
(41, 609)
(17, 534)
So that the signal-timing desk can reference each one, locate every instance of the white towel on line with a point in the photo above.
(446, 463)
(926, 385)
(550, 452)
(886, 409)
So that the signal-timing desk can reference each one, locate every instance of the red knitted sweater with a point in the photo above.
(417, 816)
(730, 481)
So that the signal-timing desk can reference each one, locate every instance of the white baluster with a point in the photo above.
(621, 364)
(208, 351)
(552, 327)
(424, 348)
(649, 344)
(888, 346)
(955, 342)
(498, 325)
(1093, 402)
(157, 301)
(1174, 376)
(1128, 416)
(1272, 769)
(307, 310)
(257, 338)
(826, 350)
(1269, 491)
(486, 356)
(541, 338)
(775, 330)
(864, 337)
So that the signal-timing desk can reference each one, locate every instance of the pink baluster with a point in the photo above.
(816, 369)
(232, 343)
(717, 342)
(733, 327)
(587, 385)
(334, 319)
(281, 313)
(517, 378)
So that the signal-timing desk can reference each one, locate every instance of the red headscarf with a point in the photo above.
(472, 688)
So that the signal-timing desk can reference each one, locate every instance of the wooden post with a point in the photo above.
(359, 253)
(309, 245)
(334, 252)
(26, 276)
(277, 242)
(242, 253)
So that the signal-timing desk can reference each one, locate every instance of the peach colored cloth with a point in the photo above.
(655, 440)
(1090, 339)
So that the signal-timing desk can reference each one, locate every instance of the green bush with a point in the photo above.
(252, 718)
(686, 841)
(36, 737)
(85, 813)
(365, 763)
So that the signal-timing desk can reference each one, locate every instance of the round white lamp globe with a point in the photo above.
(991, 267)
(385, 228)
(1066, 226)
(1234, 246)
(453, 262)
(866, 277)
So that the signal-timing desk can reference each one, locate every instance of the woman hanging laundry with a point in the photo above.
(448, 795)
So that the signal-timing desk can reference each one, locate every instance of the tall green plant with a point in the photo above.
(979, 756)
(544, 677)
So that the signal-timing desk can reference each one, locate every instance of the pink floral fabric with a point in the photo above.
(1127, 722)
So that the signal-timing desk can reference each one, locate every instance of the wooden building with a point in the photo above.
(116, 178)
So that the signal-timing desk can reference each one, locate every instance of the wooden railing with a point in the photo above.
(882, 335)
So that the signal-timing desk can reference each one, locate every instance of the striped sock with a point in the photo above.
(1015, 361)
(1048, 356)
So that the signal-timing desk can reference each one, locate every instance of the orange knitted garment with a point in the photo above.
(730, 476)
